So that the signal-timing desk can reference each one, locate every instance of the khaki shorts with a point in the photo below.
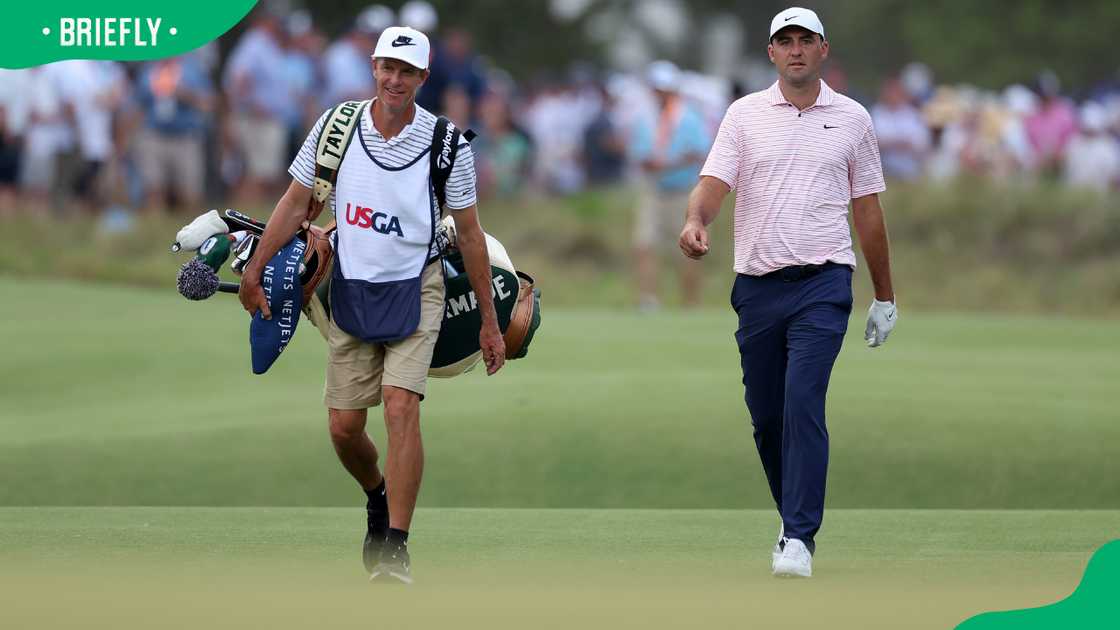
(660, 217)
(357, 370)
(172, 161)
(263, 143)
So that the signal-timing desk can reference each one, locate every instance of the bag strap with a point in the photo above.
(445, 146)
(334, 140)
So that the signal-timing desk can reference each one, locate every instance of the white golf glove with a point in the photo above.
(881, 318)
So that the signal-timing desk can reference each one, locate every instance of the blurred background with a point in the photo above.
(999, 128)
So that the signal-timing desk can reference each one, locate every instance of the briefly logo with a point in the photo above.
(789, 18)
(444, 160)
(402, 40)
(832, 126)
(379, 222)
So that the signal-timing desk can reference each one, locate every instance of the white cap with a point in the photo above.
(420, 15)
(404, 43)
(796, 16)
(663, 75)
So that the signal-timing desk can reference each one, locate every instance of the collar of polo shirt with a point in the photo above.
(824, 99)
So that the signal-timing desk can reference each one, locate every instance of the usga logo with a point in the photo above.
(379, 222)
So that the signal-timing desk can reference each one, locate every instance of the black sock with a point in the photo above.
(397, 537)
(375, 499)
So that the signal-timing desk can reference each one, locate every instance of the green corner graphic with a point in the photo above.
(1092, 606)
(121, 30)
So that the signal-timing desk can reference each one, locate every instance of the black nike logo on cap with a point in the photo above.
(789, 18)
(402, 41)
(832, 126)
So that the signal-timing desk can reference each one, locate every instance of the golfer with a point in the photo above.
(387, 288)
(796, 154)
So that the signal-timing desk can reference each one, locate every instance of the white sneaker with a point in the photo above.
(777, 553)
(795, 561)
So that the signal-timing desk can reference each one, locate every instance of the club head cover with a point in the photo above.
(196, 280)
(284, 292)
(192, 235)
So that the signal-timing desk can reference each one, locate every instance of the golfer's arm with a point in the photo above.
(289, 214)
(472, 244)
(705, 200)
(871, 227)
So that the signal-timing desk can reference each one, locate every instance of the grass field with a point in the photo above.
(148, 399)
(609, 480)
(298, 568)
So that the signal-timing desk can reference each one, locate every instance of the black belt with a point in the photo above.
(800, 272)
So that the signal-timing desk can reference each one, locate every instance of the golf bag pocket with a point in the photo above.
(376, 312)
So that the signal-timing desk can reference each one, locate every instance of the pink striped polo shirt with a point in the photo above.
(793, 174)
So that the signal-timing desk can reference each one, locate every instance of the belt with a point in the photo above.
(800, 272)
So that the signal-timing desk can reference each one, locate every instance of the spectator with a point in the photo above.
(1051, 127)
(49, 133)
(502, 150)
(604, 144)
(14, 104)
(1093, 156)
(176, 99)
(904, 140)
(346, 63)
(669, 147)
(257, 90)
(93, 91)
(301, 73)
(454, 63)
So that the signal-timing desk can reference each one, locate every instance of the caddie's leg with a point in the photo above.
(761, 338)
(815, 333)
(354, 448)
(404, 463)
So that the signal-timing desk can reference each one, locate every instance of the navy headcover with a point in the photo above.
(282, 288)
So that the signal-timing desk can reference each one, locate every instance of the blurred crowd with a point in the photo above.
(94, 136)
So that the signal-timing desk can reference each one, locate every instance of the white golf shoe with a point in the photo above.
(795, 561)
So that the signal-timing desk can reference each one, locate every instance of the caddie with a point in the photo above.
(387, 285)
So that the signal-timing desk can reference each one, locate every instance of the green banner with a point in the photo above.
(1093, 605)
(121, 30)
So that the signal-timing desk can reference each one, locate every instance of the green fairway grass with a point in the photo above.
(119, 396)
(496, 569)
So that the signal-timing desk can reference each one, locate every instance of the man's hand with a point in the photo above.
(694, 240)
(493, 347)
(252, 295)
(881, 318)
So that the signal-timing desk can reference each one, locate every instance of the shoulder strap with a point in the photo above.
(445, 146)
(334, 139)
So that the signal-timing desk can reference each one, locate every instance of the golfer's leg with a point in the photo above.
(404, 463)
(761, 338)
(354, 448)
(815, 336)
(353, 384)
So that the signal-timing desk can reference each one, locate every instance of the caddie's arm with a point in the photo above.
(287, 217)
(867, 215)
(472, 244)
(703, 208)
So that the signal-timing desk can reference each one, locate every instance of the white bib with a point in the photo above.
(385, 216)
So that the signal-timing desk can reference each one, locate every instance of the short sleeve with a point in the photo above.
(724, 158)
(461, 184)
(866, 171)
(303, 166)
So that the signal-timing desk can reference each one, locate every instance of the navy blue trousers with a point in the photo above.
(790, 332)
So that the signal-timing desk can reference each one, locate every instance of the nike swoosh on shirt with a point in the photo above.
(832, 126)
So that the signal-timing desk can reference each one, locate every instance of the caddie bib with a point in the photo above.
(386, 226)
